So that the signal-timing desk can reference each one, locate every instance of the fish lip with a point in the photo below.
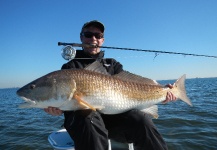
(28, 100)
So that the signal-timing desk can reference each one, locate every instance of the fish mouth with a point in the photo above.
(28, 100)
(28, 103)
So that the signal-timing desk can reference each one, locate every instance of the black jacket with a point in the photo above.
(81, 60)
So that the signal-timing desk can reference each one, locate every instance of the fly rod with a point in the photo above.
(131, 49)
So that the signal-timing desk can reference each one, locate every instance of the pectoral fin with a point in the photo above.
(152, 111)
(83, 103)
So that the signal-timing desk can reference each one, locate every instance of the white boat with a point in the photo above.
(60, 140)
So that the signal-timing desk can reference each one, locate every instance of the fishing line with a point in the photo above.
(131, 49)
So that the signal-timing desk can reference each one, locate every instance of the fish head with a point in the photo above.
(55, 85)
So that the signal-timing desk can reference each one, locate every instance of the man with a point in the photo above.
(91, 130)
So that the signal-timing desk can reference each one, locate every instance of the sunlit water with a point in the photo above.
(183, 127)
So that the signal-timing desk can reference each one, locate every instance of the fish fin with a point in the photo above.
(83, 103)
(127, 76)
(99, 107)
(97, 67)
(152, 111)
(180, 85)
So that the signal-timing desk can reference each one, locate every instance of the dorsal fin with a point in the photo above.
(127, 76)
(97, 67)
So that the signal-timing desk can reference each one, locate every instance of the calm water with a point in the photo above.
(183, 127)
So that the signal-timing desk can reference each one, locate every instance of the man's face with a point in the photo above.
(92, 40)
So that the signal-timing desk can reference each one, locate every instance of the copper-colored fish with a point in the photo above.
(93, 88)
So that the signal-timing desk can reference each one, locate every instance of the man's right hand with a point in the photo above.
(53, 111)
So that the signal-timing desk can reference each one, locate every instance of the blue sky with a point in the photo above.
(30, 30)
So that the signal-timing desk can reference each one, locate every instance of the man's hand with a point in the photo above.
(53, 111)
(170, 97)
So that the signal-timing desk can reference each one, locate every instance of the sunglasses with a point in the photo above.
(91, 34)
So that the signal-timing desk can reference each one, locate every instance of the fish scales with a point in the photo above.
(99, 89)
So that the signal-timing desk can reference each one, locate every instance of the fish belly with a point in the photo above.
(112, 102)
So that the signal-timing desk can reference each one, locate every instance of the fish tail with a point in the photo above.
(180, 85)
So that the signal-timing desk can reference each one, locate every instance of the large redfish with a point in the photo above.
(93, 88)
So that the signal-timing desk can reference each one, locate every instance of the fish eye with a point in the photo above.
(32, 86)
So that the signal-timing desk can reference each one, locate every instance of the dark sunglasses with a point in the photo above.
(91, 34)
